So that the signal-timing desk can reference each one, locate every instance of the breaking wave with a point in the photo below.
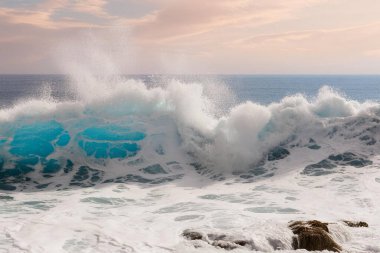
(119, 122)
(122, 128)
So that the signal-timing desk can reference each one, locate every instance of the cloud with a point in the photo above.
(349, 34)
(170, 19)
(44, 14)
(337, 50)
(213, 36)
(40, 19)
(94, 7)
(274, 38)
(182, 18)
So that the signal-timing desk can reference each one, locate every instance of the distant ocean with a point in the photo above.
(259, 88)
(152, 163)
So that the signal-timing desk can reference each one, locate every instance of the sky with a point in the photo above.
(191, 36)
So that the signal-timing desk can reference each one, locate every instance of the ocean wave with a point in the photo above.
(117, 123)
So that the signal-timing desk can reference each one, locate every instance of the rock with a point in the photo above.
(298, 226)
(313, 235)
(356, 224)
(278, 153)
(242, 242)
(219, 240)
(224, 245)
(192, 235)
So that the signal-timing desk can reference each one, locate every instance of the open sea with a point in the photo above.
(262, 89)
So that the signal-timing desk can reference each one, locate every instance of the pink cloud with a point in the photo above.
(177, 19)
(255, 36)
(93, 7)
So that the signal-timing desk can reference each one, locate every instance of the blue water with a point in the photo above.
(259, 88)
(269, 88)
(17, 87)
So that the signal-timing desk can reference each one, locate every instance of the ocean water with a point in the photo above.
(94, 162)
(263, 89)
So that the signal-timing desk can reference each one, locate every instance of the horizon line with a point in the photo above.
(203, 74)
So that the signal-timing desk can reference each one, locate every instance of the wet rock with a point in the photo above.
(278, 153)
(224, 245)
(313, 236)
(299, 226)
(242, 242)
(192, 235)
(219, 240)
(356, 224)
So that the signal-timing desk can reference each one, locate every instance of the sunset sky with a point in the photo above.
(193, 36)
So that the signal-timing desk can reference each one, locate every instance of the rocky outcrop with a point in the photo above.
(313, 235)
(219, 240)
(356, 224)
(192, 235)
